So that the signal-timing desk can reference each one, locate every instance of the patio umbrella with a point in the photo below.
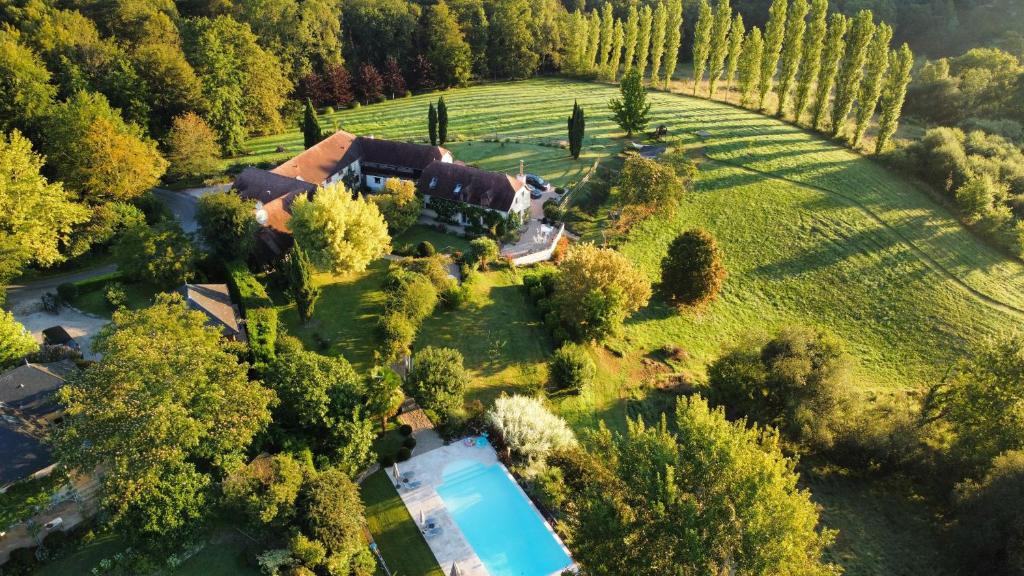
(394, 471)
(423, 518)
(456, 571)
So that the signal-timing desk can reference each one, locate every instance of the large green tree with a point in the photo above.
(774, 35)
(989, 515)
(315, 391)
(631, 37)
(37, 217)
(710, 495)
(512, 45)
(631, 111)
(851, 69)
(398, 204)
(835, 45)
(312, 134)
(163, 413)
(719, 43)
(438, 379)
(874, 77)
(894, 93)
(162, 255)
(692, 271)
(24, 83)
(227, 224)
(447, 49)
(192, 148)
(737, 33)
(659, 29)
(702, 43)
(792, 47)
(810, 60)
(606, 38)
(334, 515)
(673, 38)
(750, 66)
(340, 233)
(15, 340)
(300, 279)
(643, 42)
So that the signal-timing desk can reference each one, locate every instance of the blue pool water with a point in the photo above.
(499, 522)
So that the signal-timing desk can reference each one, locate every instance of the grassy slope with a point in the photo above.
(403, 547)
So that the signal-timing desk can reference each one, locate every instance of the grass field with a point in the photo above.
(401, 544)
(812, 232)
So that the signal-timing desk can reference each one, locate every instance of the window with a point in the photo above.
(458, 190)
(376, 179)
(433, 182)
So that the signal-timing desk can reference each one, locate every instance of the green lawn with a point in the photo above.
(442, 242)
(812, 233)
(345, 316)
(401, 543)
(94, 300)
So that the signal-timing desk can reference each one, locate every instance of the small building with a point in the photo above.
(214, 300)
(58, 336)
(463, 184)
(28, 406)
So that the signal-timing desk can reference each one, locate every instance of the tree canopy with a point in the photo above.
(339, 233)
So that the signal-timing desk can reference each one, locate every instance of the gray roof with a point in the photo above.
(395, 153)
(463, 183)
(264, 186)
(214, 300)
(21, 454)
(29, 388)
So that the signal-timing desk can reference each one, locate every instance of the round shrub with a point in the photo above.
(409, 443)
(572, 368)
(405, 430)
(329, 110)
(387, 460)
(67, 291)
(552, 211)
(404, 454)
(425, 249)
(692, 272)
(398, 333)
(455, 297)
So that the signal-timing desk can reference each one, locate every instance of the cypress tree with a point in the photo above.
(607, 37)
(701, 42)
(719, 43)
(893, 95)
(432, 124)
(643, 39)
(835, 44)
(658, 40)
(851, 69)
(304, 289)
(577, 129)
(750, 66)
(311, 133)
(618, 37)
(674, 38)
(810, 62)
(736, 34)
(442, 121)
(632, 34)
(774, 34)
(594, 27)
(791, 47)
(874, 76)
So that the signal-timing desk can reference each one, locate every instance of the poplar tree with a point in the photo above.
(578, 41)
(311, 132)
(719, 43)
(893, 95)
(618, 37)
(810, 62)
(432, 124)
(874, 76)
(674, 38)
(792, 46)
(750, 66)
(442, 121)
(851, 69)
(577, 129)
(835, 44)
(594, 28)
(300, 276)
(732, 62)
(643, 39)
(607, 36)
(658, 40)
(632, 33)
(701, 42)
(774, 34)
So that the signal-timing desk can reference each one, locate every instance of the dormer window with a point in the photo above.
(433, 182)
(458, 189)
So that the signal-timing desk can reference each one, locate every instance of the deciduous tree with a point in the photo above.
(394, 80)
(340, 233)
(334, 515)
(438, 379)
(692, 271)
(649, 183)
(659, 28)
(227, 224)
(702, 42)
(673, 38)
(835, 45)
(631, 37)
(750, 66)
(15, 340)
(593, 40)
(851, 69)
(266, 489)
(643, 42)
(774, 35)
(371, 84)
(632, 110)
(164, 411)
(616, 57)
(399, 205)
(192, 148)
(893, 95)
(719, 43)
(604, 50)
(25, 84)
(792, 47)
(737, 33)
(528, 428)
(447, 49)
(512, 45)
(162, 255)
(874, 76)
(810, 60)
(339, 85)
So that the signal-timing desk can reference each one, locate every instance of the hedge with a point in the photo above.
(258, 309)
(246, 288)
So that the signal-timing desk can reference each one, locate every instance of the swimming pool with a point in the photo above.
(500, 522)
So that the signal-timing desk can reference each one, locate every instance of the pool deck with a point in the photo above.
(449, 546)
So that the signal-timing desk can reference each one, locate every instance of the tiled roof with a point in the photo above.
(264, 186)
(461, 183)
(319, 162)
(394, 153)
(215, 301)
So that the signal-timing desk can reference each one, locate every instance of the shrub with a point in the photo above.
(261, 324)
(528, 428)
(433, 267)
(409, 442)
(410, 294)
(552, 211)
(692, 272)
(455, 297)
(483, 251)
(438, 379)
(572, 368)
(403, 454)
(116, 295)
(387, 460)
(425, 249)
(990, 513)
(398, 333)
(405, 430)
(67, 292)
